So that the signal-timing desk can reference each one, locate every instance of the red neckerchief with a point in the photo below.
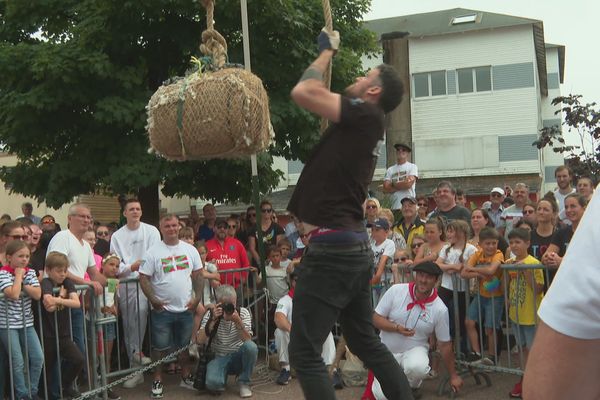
(11, 270)
(415, 302)
(291, 293)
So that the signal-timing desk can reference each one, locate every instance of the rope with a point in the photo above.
(327, 75)
(213, 44)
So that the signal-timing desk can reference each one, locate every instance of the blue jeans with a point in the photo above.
(21, 339)
(77, 322)
(171, 329)
(239, 363)
(334, 282)
(491, 308)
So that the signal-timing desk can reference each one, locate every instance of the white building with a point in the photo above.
(479, 88)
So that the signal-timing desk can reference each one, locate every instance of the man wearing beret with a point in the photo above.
(401, 178)
(407, 315)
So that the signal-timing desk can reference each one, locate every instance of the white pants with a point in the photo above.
(415, 363)
(282, 342)
(133, 306)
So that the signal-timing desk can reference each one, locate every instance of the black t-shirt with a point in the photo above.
(334, 182)
(62, 315)
(458, 212)
(539, 244)
(561, 238)
(270, 235)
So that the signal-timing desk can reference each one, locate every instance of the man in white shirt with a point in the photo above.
(131, 243)
(563, 362)
(81, 260)
(407, 315)
(400, 179)
(171, 280)
(513, 214)
(564, 177)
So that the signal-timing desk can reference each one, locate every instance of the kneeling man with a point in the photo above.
(407, 315)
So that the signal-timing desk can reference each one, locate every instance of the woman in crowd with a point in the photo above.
(546, 214)
(435, 236)
(248, 225)
(575, 205)
(372, 208)
(417, 242)
(529, 213)
(271, 232)
(422, 208)
(90, 237)
(585, 187)
(480, 219)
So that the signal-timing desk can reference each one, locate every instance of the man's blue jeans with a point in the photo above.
(239, 363)
(21, 339)
(334, 282)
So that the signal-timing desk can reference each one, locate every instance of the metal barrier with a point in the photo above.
(97, 377)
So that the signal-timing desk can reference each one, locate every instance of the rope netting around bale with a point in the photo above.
(219, 113)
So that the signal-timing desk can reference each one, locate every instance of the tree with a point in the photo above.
(77, 75)
(584, 119)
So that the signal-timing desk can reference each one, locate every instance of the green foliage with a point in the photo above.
(583, 119)
(77, 75)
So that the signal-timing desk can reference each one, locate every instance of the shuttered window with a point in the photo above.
(517, 148)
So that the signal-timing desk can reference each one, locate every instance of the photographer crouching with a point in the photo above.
(235, 352)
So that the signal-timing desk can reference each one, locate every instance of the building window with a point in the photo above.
(464, 19)
(477, 79)
(430, 84)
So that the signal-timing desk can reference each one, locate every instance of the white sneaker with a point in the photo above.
(245, 391)
(140, 359)
(133, 382)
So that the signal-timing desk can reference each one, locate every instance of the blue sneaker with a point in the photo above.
(284, 377)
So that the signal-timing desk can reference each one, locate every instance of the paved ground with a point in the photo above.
(265, 389)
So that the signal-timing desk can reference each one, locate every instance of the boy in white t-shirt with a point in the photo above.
(401, 178)
(383, 253)
(276, 282)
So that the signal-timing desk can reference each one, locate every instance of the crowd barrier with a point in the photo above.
(96, 377)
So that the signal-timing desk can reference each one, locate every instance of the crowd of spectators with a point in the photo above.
(219, 259)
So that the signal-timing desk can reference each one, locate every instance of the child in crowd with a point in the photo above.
(400, 267)
(186, 234)
(525, 294)
(108, 306)
(56, 322)
(383, 253)
(484, 265)
(451, 260)
(16, 324)
(435, 236)
(208, 295)
(285, 247)
(277, 283)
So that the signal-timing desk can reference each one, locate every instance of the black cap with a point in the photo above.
(429, 267)
(409, 198)
(220, 221)
(380, 223)
(404, 146)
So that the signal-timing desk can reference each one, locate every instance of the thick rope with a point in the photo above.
(213, 44)
(327, 76)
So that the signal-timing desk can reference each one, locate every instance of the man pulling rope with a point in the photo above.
(337, 265)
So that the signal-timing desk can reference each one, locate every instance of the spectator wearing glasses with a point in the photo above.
(271, 232)
(401, 179)
(247, 225)
(233, 226)
(407, 315)
(103, 233)
(48, 224)
(418, 241)
(529, 213)
(422, 208)
(70, 242)
(227, 253)
(372, 208)
(494, 206)
(409, 225)
(11, 230)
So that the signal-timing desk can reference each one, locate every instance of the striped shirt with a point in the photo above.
(228, 338)
(16, 308)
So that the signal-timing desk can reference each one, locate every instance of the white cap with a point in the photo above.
(498, 190)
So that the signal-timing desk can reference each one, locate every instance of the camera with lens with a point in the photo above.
(228, 308)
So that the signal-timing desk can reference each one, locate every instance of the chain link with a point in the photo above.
(148, 367)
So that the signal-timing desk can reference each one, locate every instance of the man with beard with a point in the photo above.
(333, 279)
(564, 178)
(513, 214)
(227, 253)
(407, 315)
